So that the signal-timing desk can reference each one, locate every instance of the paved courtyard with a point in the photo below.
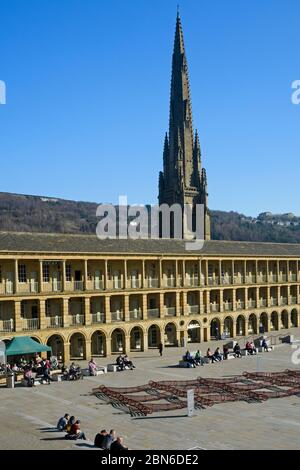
(27, 414)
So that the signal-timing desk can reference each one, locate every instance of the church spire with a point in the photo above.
(182, 180)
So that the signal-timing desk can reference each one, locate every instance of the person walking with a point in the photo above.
(160, 348)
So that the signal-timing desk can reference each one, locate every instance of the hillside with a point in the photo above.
(41, 214)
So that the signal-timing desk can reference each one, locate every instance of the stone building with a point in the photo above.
(84, 297)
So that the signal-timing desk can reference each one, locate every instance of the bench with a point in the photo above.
(230, 356)
(100, 370)
(112, 367)
(261, 349)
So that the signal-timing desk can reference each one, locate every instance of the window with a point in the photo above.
(22, 273)
(47, 307)
(46, 272)
(68, 273)
(23, 310)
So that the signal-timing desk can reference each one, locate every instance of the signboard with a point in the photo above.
(190, 402)
(2, 353)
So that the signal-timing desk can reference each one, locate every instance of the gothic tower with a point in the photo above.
(182, 181)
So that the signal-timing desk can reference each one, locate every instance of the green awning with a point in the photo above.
(24, 345)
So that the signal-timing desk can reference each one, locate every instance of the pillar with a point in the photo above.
(257, 297)
(220, 273)
(145, 342)
(143, 275)
(184, 304)
(105, 275)
(206, 272)
(234, 327)
(234, 300)
(85, 281)
(65, 312)
(42, 312)
(208, 301)
(126, 308)
(108, 345)
(178, 310)
(41, 275)
(145, 307)
(17, 316)
(160, 280)
(201, 303)
(183, 273)
(161, 305)
(88, 349)
(246, 297)
(87, 311)
(16, 276)
(176, 274)
(66, 352)
(127, 344)
(268, 297)
(232, 272)
(278, 296)
(221, 298)
(125, 275)
(107, 310)
(64, 275)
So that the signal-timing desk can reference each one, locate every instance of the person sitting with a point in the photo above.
(225, 352)
(209, 355)
(264, 345)
(28, 377)
(75, 431)
(92, 367)
(117, 445)
(62, 422)
(99, 439)
(70, 424)
(72, 371)
(254, 350)
(189, 359)
(217, 356)
(248, 348)
(46, 372)
(237, 350)
(120, 363)
(199, 360)
(127, 363)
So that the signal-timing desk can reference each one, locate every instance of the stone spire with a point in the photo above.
(182, 180)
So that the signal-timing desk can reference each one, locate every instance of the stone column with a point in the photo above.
(220, 272)
(178, 312)
(199, 273)
(208, 301)
(87, 311)
(66, 353)
(17, 316)
(16, 276)
(145, 307)
(184, 304)
(64, 275)
(143, 275)
(107, 310)
(145, 342)
(126, 308)
(42, 314)
(298, 295)
(245, 271)
(278, 296)
(127, 344)
(105, 274)
(65, 312)
(232, 271)
(201, 303)
(41, 275)
(246, 297)
(221, 299)
(88, 349)
(183, 273)
(85, 281)
(234, 300)
(206, 272)
(161, 305)
(268, 296)
(160, 280)
(234, 327)
(125, 275)
(257, 297)
(176, 274)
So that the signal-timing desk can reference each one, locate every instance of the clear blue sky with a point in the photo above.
(88, 84)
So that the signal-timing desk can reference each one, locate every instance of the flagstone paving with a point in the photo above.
(275, 424)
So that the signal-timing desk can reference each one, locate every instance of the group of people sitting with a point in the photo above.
(103, 440)
(73, 372)
(31, 368)
(123, 362)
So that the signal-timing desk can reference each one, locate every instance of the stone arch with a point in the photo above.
(77, 342)
(117, 339)
(241, 325)
(81, 332)
(137, 339)
(56, 342)
(170, 332)
(228, 327)
(215, 328)
(154, 336)
(263, 323)
(37, 339)
(294, 318)
(194, 332)
(252, 324)
(284, 319)
(274, 321)
(98, 343)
